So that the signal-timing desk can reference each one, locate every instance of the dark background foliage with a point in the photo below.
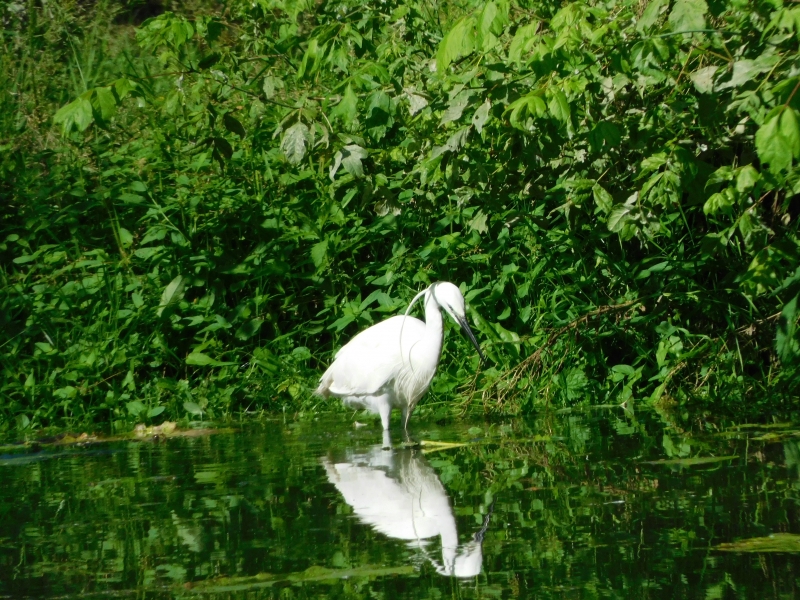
(203, 201)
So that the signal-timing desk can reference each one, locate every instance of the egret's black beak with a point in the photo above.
(465, 328)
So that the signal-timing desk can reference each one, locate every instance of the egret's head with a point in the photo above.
(449, 298)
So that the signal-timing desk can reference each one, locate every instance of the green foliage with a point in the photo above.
(237, 193)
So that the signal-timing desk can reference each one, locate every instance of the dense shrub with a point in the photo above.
(217, 206)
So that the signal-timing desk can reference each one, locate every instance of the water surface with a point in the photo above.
(571, 505)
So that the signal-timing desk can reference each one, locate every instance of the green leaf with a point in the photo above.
(620, 214)
(106, 103)
(44, 347)
(481, 116)
(524, 38)
(135, 408)
(223, 147)
(778, 140)
(688, 15)
(123, 87)
(319, 253)
(458, 42)
(350, 158)
(125, 237)
(249, 329)
(294, 142)
(172, 293)
(78, 113)
(347, 109)
(785, 344)
(559, 107)
(415, 102)
(602, 198)
(478, 223)
(486, 40)
(271, 85)
(192, 408)
(703, 79)
(155, 411)
(233, 125)
(455, 107)
(148, 252)
(650, 15)
(747, 179)
(745, 71)
(199, 359)
(720, 202)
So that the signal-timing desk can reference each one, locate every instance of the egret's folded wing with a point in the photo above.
(373, 357)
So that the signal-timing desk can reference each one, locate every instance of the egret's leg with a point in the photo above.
(406, 414)
(384, 409)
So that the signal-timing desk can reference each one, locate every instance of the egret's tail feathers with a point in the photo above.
(324, 388)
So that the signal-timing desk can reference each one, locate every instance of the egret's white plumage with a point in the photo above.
(391, 364)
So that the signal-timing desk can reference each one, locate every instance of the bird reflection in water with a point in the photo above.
(399, 495)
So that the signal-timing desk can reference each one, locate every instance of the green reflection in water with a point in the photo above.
(599, 504)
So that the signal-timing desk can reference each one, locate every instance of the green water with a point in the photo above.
(593, 504)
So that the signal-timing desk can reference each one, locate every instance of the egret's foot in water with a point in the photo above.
(411, 443)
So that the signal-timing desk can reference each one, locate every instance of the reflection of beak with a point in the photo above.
(465, 328)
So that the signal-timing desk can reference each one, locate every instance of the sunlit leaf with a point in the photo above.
(294, 142)
(703, 79)
(347, 109)
(778, 140)
(171, 294)
(458, 42)
(481, 116)
(77, 113)
(559, 107)
(688, 15)
(650, 14)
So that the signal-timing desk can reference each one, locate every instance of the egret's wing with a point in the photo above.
(372, 358)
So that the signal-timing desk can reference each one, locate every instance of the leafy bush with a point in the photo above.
(611, 183)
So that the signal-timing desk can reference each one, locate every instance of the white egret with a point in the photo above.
(391, 364)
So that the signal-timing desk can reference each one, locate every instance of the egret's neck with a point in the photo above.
(433, 325)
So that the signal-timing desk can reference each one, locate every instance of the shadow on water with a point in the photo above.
(601, 503)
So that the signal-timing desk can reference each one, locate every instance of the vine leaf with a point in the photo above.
(481, 116)
(78, 112)
(650, 15)
(233, 125)
(294, 142)
(703, 79)
(347, 109)
(458, 42)
(688, 15)
(778, 140)
(350, 158)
